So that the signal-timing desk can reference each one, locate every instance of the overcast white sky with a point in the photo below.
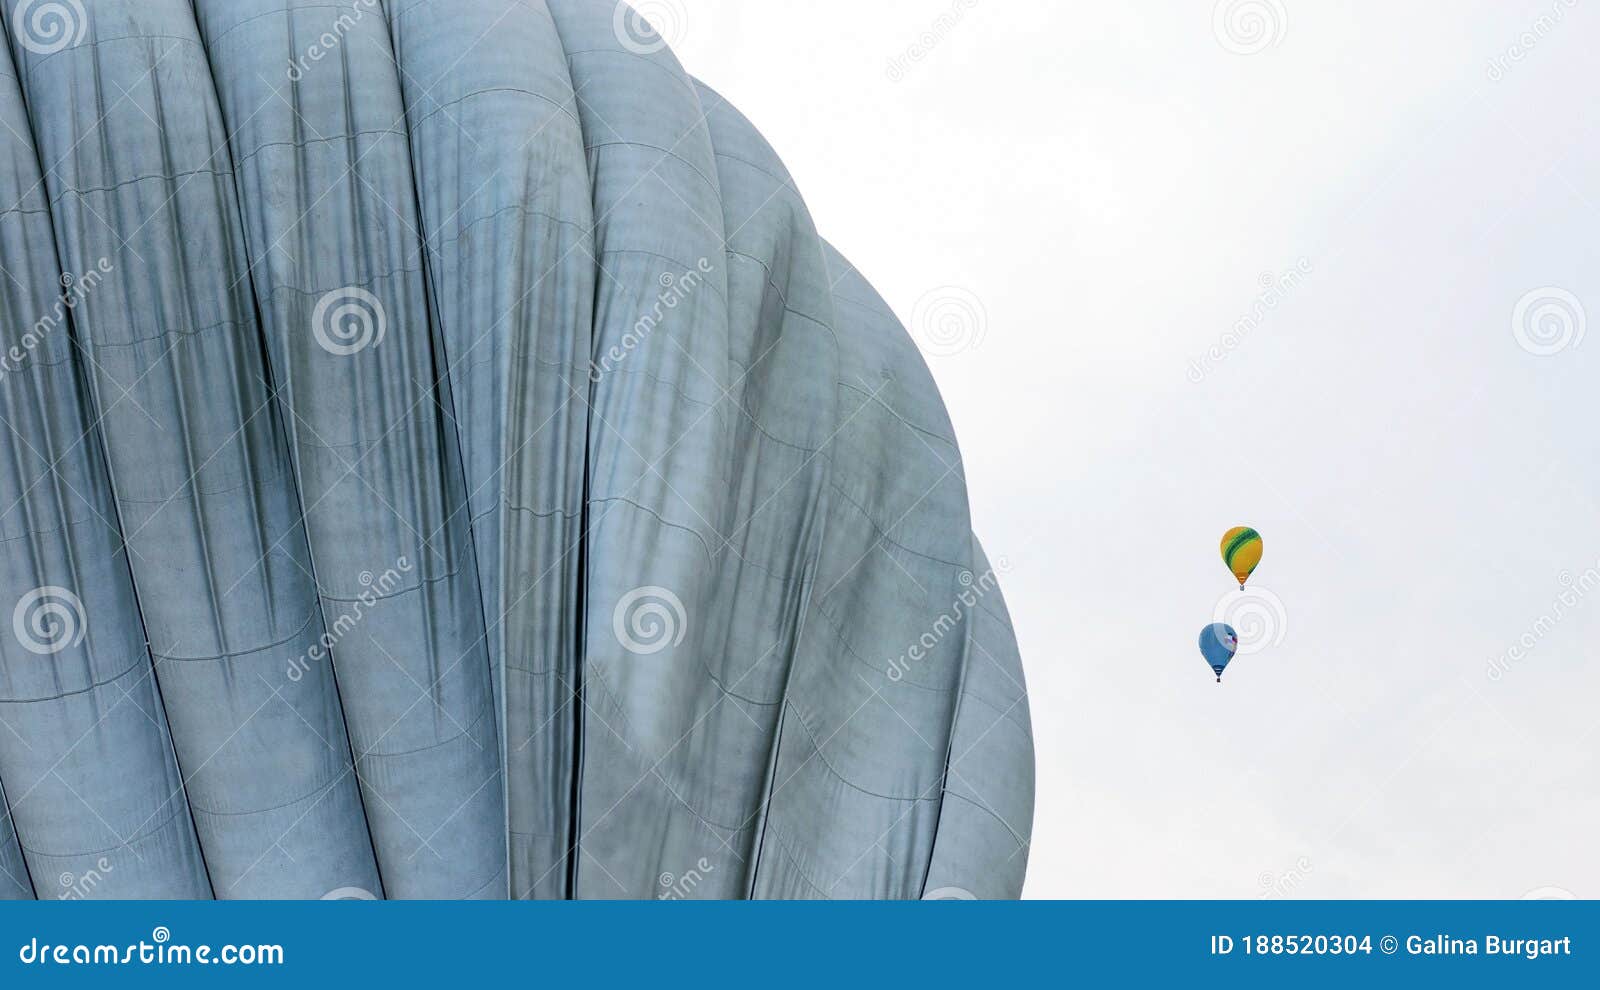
(1113, 182)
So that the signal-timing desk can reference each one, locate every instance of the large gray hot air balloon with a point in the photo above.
(441, 459)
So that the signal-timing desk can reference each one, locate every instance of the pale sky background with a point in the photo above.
(1111, 182)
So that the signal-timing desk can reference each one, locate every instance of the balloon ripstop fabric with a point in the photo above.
(443, 460)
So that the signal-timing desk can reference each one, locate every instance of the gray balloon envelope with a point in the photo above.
(444, 460)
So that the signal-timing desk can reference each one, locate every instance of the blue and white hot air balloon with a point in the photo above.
(1218, 644)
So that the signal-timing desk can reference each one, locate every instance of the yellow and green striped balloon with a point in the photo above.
(1241, 551)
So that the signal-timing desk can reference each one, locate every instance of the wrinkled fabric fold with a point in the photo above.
(506, 220)
(376, 461)
(86, 755)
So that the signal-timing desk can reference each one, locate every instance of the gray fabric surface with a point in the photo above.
(443, 460)
(14, 881)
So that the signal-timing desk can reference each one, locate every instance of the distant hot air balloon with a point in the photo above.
(1241, 551)
(1218, 643)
